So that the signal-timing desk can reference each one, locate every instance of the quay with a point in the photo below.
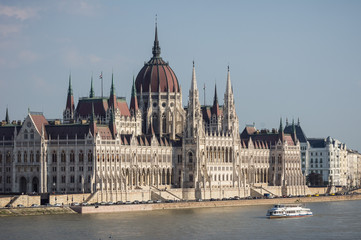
(208, 204)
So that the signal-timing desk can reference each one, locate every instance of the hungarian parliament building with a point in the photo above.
(155, 145)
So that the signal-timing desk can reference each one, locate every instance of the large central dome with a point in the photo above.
(156, 74)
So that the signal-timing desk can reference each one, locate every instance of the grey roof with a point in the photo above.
(317, 142)
(299, 132)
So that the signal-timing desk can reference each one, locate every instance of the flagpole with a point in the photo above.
(101, 77)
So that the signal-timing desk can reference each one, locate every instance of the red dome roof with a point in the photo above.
(156, 73)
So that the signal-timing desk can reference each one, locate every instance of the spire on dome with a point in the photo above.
(91, 95)
(156, 48)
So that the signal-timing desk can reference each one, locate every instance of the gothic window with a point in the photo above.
(90, 156)
(191, 177)
(54, 179)
(26, 134)
(63, 156)
(25, 156)
(31, 157)
(37, 156)
(190, 157)
(8, 157)
(32, 134)
(54, 157)
(19, 156)
(63, 179)
(81, 156)
(164, 122)
(72, 156)
(1, 157)
(72, 179)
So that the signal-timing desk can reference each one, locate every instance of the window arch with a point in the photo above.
(164, 123)
(81, 156)
(190, 157)
(54, 157)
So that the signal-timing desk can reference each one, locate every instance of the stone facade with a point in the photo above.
(113, 152)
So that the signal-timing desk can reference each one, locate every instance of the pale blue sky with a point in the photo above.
(287, 58)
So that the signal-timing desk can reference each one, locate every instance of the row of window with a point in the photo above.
(72, 179)
(72, 169)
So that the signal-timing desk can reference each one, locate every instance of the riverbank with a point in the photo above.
(161, 206)
(4, 212)
(206, 204)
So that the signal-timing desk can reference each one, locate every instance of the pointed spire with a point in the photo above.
(112, 98)
(7, 120)
(298, 122)
(286, 122)
(70, 100)
(294, 133)
(215, 108)
(134, 100)
(229, 85)
(156, 48)
(91, 94)
(280, 132)
(215, 99)
(281, 127)
(70, 90)
(194, 80)
(112, 88)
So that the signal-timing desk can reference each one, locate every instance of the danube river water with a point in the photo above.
(331, 220)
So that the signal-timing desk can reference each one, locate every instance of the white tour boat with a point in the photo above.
(288, 211)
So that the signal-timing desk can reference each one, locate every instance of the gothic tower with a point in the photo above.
(68, 114)
(230, 118)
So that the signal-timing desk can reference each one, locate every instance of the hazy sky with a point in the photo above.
(287, 58)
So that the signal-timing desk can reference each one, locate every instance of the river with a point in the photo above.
(331, 220)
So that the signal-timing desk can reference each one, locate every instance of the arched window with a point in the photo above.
(8, 157)
(81, 156)
(63, 156)
(31, 157)
(72, 156)
(25, 157)
(54, 157)
(90, 156)
(31, 134)
(190, 157)
(37, 156)
(19, 156)
(164, 123)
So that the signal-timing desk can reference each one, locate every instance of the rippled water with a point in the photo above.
(331, 220)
